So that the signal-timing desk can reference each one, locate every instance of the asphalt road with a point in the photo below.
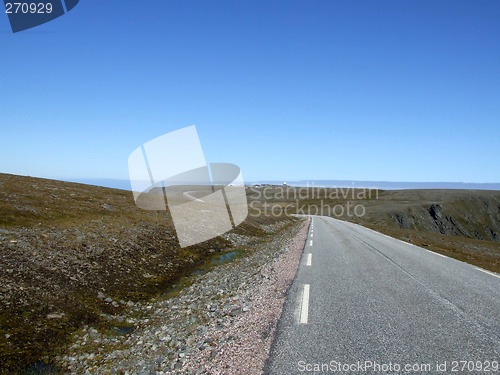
(363, 302)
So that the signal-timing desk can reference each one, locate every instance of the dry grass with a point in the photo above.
(61, 244)
(484, 254)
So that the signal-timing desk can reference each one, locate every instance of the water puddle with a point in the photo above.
(216, 260)
(42, 368)
(123, 330)
(204, 268)
(226, 257)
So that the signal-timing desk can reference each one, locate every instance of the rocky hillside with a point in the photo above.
(466, 213)
(74, 255)
(463, 224)
(473, 214)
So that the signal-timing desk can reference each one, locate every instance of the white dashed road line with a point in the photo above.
(304, 310)
(309, 259)
(311, 243)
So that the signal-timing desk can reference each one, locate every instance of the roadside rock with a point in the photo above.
(222, 322)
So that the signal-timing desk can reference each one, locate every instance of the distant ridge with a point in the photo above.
(105, 182)
(386, 185)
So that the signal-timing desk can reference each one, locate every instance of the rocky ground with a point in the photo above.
(223, 323)
(89, 283)
(77, 257)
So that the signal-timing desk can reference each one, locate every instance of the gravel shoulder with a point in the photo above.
(222, 323)
(78, 261)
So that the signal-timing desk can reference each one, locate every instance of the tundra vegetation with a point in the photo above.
(463, 224)
(75, 255)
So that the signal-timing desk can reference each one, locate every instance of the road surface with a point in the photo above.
(363, 302)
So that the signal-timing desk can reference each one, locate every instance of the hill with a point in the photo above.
(74, 254)
(464, 224)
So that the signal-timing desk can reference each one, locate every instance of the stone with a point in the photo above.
(107, 207)
(55, 316)
(236, 312)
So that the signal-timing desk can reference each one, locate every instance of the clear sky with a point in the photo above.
(288, 90)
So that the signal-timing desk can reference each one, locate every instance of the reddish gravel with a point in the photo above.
(254, 330)
(223, 323)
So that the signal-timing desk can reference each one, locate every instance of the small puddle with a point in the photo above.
(123, 330)
(216, 260)
(42, 368)
(204, 268)
(226, 257)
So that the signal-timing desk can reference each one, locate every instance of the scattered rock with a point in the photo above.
(107, 207)
(55, 316)
(236, 312)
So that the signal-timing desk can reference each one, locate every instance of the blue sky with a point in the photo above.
(287, 90)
